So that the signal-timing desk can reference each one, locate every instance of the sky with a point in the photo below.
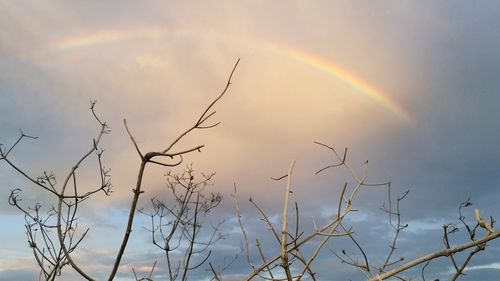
(411, 86)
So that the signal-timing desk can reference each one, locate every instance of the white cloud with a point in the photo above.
(495, 265)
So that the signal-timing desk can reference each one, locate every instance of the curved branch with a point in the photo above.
(442, 253)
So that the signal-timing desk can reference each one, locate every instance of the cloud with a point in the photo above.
(495, 266)
(159, 65)
(18, 274)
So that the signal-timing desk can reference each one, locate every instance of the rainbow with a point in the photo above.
(344, 76)
(113, 36)
(106, 37)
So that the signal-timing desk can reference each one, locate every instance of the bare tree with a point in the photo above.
(54, 251)
(176, 223)
(177, 226)
(290, 243)
(57, 228)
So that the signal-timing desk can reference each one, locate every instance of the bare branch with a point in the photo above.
(442, 253)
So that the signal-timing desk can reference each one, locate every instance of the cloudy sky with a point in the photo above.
(412, 86)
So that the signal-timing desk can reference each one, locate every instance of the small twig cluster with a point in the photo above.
(471, 231)
(177, 227)
(54, 234)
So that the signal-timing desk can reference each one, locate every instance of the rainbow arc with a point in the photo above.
(113, 36)
(346, 77)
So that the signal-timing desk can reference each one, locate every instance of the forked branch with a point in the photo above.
(148, 158)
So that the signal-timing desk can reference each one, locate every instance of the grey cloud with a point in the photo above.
(444, 56)
(13, 274)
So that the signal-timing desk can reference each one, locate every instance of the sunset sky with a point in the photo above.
(412, 86)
